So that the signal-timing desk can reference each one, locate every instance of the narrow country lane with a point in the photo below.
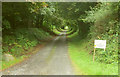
(91, 47)
(53, 59)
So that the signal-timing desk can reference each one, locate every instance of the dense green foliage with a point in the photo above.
(27, 15)
(104, 26)
(24, 26)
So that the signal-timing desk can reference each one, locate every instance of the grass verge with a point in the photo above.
(83, 60)
(6, 64)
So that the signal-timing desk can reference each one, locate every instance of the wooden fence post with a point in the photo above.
(94, 55)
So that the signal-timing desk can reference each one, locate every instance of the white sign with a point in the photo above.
(100, 44)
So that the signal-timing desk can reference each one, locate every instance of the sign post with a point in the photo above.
(99, 44)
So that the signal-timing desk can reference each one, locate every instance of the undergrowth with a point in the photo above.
(22, 40)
